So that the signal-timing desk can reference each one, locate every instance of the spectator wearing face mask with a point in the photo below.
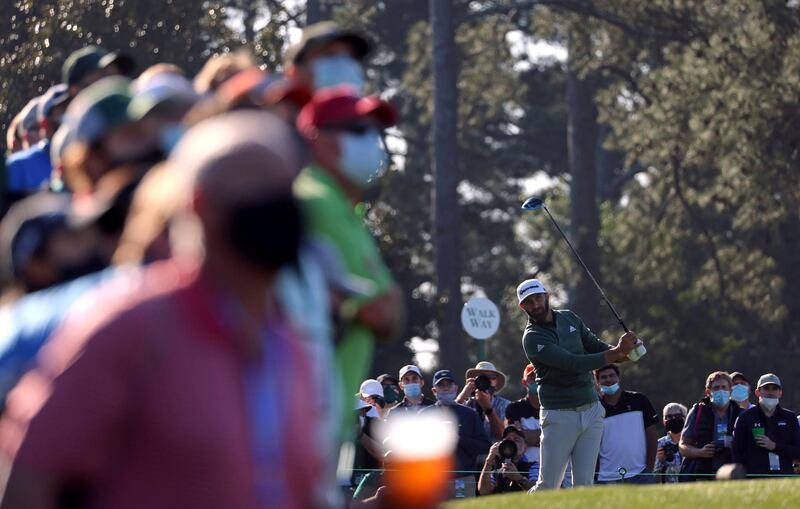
(706, 438)
(668, 457)
(766, 438)
(343, 132)
(740, 392)
(369, 451)
(411, 383)
(472, 438)
(391, 390)
(327, 56)
(628, 446)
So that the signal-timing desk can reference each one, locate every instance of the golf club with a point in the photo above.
(538, 203)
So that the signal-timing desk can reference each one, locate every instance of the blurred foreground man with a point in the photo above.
(178, 392)
(564, 352)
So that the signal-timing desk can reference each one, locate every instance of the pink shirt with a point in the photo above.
(142, 398)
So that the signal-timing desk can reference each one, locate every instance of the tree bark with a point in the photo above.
(446, 211)
(584, 211)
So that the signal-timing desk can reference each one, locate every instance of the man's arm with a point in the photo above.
(484, 399)
(791, 449)
(739, 443)
(651, 436)
(591, 343)
(486, 482)
(541, 350)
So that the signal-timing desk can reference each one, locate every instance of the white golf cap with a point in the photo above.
(769, 378)
(370, 387)
(410, 367)
(529, 287)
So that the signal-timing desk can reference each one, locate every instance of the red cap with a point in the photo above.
(340, 104)
(528, 370)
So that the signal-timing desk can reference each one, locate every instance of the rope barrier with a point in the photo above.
(654, 474)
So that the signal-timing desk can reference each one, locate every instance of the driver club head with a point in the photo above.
(533, 203)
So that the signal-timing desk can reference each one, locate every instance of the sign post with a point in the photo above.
(480, 319)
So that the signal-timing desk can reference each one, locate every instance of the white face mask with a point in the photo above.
(768, 403)
(338, 70)
(362, 157)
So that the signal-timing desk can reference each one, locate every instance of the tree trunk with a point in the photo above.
(446, 213)
(584, 211)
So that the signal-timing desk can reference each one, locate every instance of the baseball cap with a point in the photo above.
(370, 387)
(529, 287)
(54, 96)
(30, 118)
(410, 367)
(512, 428)
(769, 378)
(528, 370)
(80, 63)
(386, 377)
(443, 374)
(738, 374)
(27, 226)
(339, 105)
(320, 34)
(162, 88)
(98, 108)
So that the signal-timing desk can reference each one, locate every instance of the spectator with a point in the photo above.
(369, 451)
(740, 393)
(343, 133)
(766, 438)
(219, 69)
(411, 382)
(503, 474)
(630, 438)
(668, 457)
(472, 438)
(391, 390)
(524, 415)
(89, 65)
(706, 437)
(212, 306)
(371, 392)
(13, 141)
(51, 110)
(490, 407)
(29, 125)
(327, 56)
(564, 352)
(39, 248)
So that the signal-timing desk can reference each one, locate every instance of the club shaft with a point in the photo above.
(588, 272)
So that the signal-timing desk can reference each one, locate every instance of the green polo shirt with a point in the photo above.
(565, 353)
(331, 218)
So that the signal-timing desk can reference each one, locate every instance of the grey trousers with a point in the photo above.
(572, 433)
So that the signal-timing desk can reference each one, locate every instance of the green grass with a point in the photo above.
(755, 494)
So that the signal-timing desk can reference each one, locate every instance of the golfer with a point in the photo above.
(565, 352)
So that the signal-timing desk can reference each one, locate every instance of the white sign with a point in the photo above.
(480, 318)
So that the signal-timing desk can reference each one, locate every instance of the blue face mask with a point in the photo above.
(609, 389)
(720, 398)
(338, 70)
(412, 390)
(740, 392)
(362, 157)
(446, 398)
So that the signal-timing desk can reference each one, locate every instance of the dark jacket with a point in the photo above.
(702, 422)
(472, 438)
(782, 428)
(405, 406)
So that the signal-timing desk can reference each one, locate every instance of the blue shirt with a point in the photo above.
(28, 170)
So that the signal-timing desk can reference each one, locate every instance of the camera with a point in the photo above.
(482, 383)
(670, 450)
(507, 449)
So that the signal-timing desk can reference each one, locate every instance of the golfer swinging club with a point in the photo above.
(565, 352)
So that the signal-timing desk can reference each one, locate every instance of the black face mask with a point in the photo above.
(674, 425)
(268, 232)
